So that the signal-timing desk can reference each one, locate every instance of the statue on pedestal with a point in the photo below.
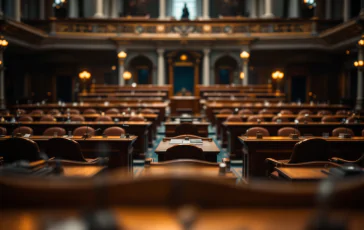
(185, 13)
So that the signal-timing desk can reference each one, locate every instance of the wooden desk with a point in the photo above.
(179, 103)
(119, 150)
(235, 129)
(82, 171)
(139, 129)
(281, 148)
(209, 149)
(201, 126)
(302, 173)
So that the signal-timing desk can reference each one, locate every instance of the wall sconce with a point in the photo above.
(206, 28)
(127, 75)
(122, 55)
(244, 55)
(359, 65)
(3, 43)
(84, 76)
(361, 42)
(160, 28)
(278, 76)
(242, 75)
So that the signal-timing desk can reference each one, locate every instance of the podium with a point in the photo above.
(185, 104)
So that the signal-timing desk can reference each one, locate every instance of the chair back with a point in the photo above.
(4, 112)
(25, 118)
(147, 111)
(21, 111)
(52, 130)
(90, 111)
(304, 112)
(304, 119)
(3, 131)
(47, 117)
(245, 112)
(342, 112)
(78, 118)
(136, 118)
(287, 131)
(283, 119)
(37, 112)
(65, 149)
(314, 149)
(336, 132)
(103, 118)
(226, 111)
(73, 111)
(112, 111)
(285, 111)
(252, 132)
(23, 130)
(54, 112)
(265, 111)
(80, 131)
(255, 118)
(352, 119)
(324, 112)
(184, 152)
(18, 148)
(328, 119)
(114, 131)
(186, 128)
(234, 118)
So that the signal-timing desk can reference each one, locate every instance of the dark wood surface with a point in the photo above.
(82, 171)
(179, 103)
(201, 126)
(139, 129)
(209, 149)
(302, 173)
(280, 148)
(119, 150)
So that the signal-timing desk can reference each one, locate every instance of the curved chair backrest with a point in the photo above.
(283, 119)
(52, 130)
(304, 119)
(65, 149)
(305, 111)
(147, 111)
(285, 111)
(114, 131)
(54, 112)
(4, 112)
(37, 112)
(255, 118)
(47, 117)
(265, 111)
(89, 111)
(103, 118)
(3, 131)
(136, 118)
(328, 119)
(342, 112)
(23, 130)
(252, 132)
(184, 152)
(26, 118)
(286, 131)
(21, 111)
(18, 148)
(336, 132)
(314, 149)
(245, 112)
(80, 131)
(112, 111)
(234, 118)
(352, 119)
(186, 128)
(73, 111)
(226, 111)
(324, 112)
(77, 118)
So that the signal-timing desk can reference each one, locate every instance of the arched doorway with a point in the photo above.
(141, 69)
(226, 68)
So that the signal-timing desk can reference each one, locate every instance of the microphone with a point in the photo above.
(86, 134)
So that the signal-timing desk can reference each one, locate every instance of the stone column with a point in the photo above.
(162, 9)
(17, 10)
(41, 9)
(114, 9)
(294, 9)
(360, 83)
(73, 9)
(2, 81)
(253, 9)
(161, 69)
(206, 9)
(346, 10)
(121, 72)
(206, 67)
(98, 9)
(268, 9)
(328, 9)
(246, 71)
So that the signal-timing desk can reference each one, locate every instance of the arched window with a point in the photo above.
(178, 7)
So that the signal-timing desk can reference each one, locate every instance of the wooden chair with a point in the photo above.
(359, 162)
(104, 118)
(304, 112)
(54, 112)
(283, 119)
(324, 112)
(265, 111)
(112, 111)
(80, 131)
(184, 152)
(147, 111)
(23, 130)
(186, 128)
(48, 117)
(342, 112)
(3, 131)
(245, 112)
(255, 118)
(287, 131)
(25, 118)
(336, 132)
(285, 112)
(66, 149)
(304, 119)
(73, 111)
(37, 112)
(77, 118)
(353, 119)
(325, 119)
(114, 131)
(252, 132)
(18, 148)
(136, 118)
(52, 130)
(234, 118)
(226, 111)
(89, 111)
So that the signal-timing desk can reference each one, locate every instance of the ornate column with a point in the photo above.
(17, 10)
(121, 57)
(98, 9)
(162, 9)
(346, 10)
(328, 9)
(253, 9)
(205, 9)
(73, 9)
(359, 64)
(268, 9)
(245, 57)
(3, 45)
(206, 67)
(161, 69)
(294, 9)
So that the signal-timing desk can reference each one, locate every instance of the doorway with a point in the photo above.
(64, 88)
(298, 88)
(183, 79)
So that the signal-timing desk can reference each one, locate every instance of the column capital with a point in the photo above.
(206, 51)
(160, 51)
